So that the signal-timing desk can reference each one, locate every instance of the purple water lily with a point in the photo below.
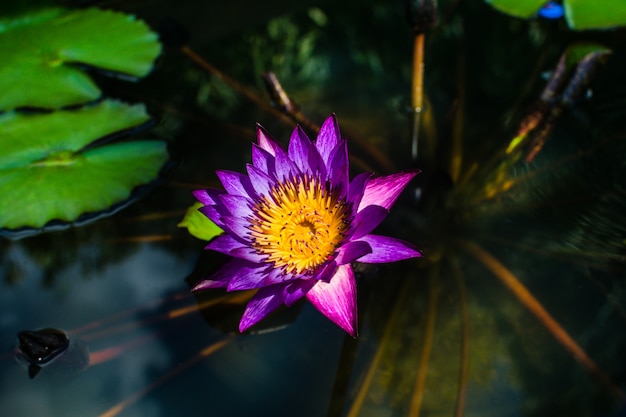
(295, 223)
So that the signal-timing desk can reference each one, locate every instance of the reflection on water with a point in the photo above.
(438, 336)
(72, 303)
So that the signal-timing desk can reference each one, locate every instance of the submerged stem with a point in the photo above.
(400, 303)
(535, 307)
(208, 351)
(464, 366)
(429, 331)
(247, 92)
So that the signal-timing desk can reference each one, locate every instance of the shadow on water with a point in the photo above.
(516, 309)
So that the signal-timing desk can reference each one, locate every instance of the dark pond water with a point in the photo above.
(448, 334)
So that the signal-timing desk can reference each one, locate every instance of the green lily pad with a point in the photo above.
(26, 138)
(50, 168)
(39, 52)
(198, 224)
(579, 14)
(593, 14)
(518, 8)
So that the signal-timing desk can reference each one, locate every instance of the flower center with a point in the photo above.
(300, 225)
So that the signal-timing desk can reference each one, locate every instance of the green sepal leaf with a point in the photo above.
(198, 224)
(39, 53)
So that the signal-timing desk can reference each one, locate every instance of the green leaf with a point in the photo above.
(47, 173)
(39, 51)
(578, 51)
(518, 8)
(198, 224)
(25, 138)
(594, 14)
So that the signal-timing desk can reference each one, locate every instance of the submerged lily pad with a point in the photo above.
(39, 53)
(51, 172)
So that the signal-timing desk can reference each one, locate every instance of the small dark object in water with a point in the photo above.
(38, 348)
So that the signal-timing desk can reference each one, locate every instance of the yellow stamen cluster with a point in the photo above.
(300, 225)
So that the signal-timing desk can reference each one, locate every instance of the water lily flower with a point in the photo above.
(295, 222)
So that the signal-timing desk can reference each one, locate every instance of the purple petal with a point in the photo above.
(229, 245)
(304, 154)
(246, 276)
(351, 251)
(283, 164)
(207, 284)
(298, 149)
(356, 189)
(285, 167)
(337, 299)
(388, 249)
(296, 290)
(265, 140)
(384, 191)
(237, 226)
(266, 300)
(212, 213)
(277, 276)
(263, 160)
(367, 220)
(318, 168)
(327, 271)
(338, 169)
(235, 274)
(236, 205)
(225, 274)
(223, 244)
(236, 183)
(261, 182)
(328, 138)
(248, 254)
(214, 195)
(206, 197)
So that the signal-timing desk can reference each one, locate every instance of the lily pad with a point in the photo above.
(40, 52)
(518, 8)
(579, 14)
(26, 138)
(51, 172)
(593, 14)
(198, 224)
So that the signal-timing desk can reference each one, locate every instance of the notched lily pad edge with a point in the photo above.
(45, 110)
(104, 72)
(122, 135)
(28, 110)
